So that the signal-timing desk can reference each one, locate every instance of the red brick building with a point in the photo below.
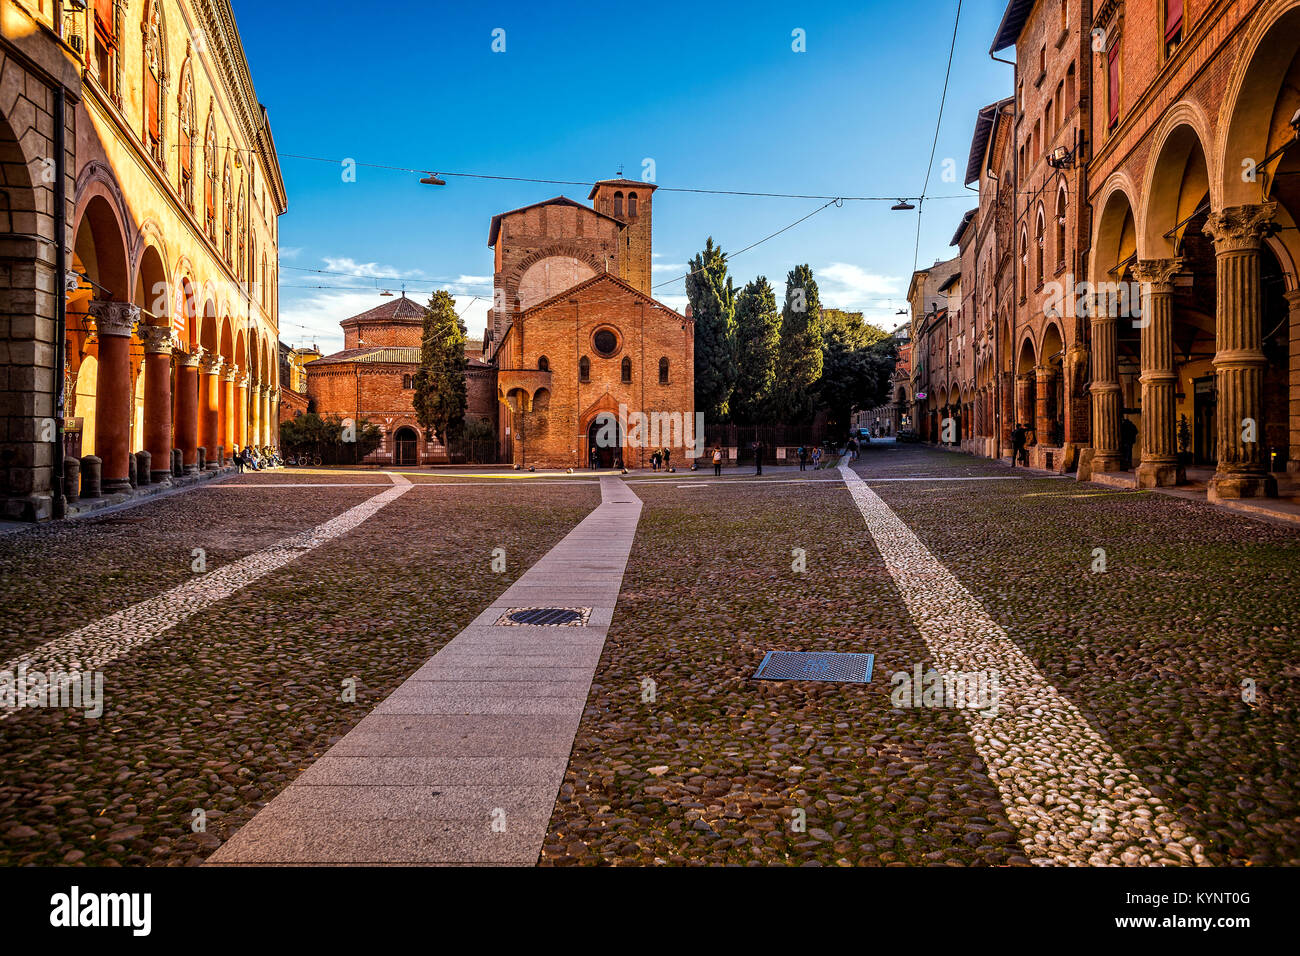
(580, 347)
(372, 379)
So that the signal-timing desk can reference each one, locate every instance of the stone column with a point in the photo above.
(158, 346)
(187, 408)
(1043, 377)
(1107, 397)
(1007, 424)
(1024, 400)
(241, 411)
(228, 409)
(265, 437)
(1239, 363)
(1159, 466)
(1293, 424)
(210, 403)
(273, 419)
(114, 324)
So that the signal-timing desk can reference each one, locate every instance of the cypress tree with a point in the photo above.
(758, 336)
(799, 356)
(441, 394)
(712, 297)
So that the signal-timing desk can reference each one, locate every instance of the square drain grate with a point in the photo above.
(801, 665)
(545, 616)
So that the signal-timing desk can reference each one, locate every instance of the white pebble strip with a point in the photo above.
(1069, 794)
(92, 647)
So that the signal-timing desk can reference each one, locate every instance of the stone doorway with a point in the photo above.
(604, 442)
(404, 446)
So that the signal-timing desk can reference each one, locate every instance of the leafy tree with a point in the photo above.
(311, 434)
(758, 336)
(441, 394)
(799, 355)
(712, 297)
(857, 365)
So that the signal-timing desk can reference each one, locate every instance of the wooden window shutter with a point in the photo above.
(1112, 86)
(151, 104)
(1173, 18)
(104, 24)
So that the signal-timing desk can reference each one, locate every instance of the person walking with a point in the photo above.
(1018, 451)
(802, 453)
(717, 462)
(758, 457)
(239, 460)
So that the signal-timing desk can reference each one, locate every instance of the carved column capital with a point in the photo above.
(210, 362)
(1159, 273)
(230, 373)
(114, 318)
(1240, 228)
(158, 339)
(186, 360)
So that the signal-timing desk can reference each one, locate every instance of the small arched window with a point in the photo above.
(153, 73)
(631, 204)
(210, 177)
(240, 262)
(189, 128)
(584, 369)
(627, 369)
(408, 381)
(618, 204)
(543, 364)
(1024, 264)
(228, 208)
(1039, 240)
(1060, 230)
(663, 371)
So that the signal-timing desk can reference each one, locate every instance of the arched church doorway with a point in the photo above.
(605, 442)
(404, 442)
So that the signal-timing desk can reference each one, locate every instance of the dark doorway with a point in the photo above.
(1205, 436)
(404, 441)
(605, 440)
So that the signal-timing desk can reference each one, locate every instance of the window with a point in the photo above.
(1048, 128)
(1065, 19)
(584, 369)
(1024, 265)
(1113, 81)
(618, 203)
(543, 364)
(606, 343)
(406, 382)
(1042, 63)
(240, 262)
(1039, 239)
(153, 71)
(1173, 25)
(210, 178)
(106, 47)
(663, 371)
(1069, 89)
(228, 208)
(627, 369)
(1060, 230)
(631, 205)
(188, 127)
(266, 276)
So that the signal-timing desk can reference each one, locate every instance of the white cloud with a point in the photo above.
(845, 286)
(669, 267)
(315, 318)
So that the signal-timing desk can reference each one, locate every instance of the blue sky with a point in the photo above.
(712, 93)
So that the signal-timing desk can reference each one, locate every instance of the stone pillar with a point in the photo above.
(228, 410)
(114, 324)
(273, 418)
(210, 403)
(1239, 361)
(1159, 466)
(1007, 424)
(1024, 400)
(187, 408)
(1044, 375)
(1293, 405)
(264, 438)
(1107, 398)
(158, 347)
(241, 411)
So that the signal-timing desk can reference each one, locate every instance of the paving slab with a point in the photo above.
(462, 763)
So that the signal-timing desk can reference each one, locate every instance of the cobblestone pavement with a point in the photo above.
(222, 712)
(1152, 652)
(681, 757)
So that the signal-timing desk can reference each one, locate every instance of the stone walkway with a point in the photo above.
(1073, 798)
(462, 763)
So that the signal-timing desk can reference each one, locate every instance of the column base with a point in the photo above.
(1160, 474)
(115, 486)
(160, 477)
(192, 469)
(1242, 486)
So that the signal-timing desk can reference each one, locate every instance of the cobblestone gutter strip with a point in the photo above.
(96, 645)
(1071, 796)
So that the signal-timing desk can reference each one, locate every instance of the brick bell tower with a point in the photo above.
(629, 201)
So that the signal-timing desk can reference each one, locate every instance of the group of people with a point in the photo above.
(803, 456)
(251, 457)
(662, 458)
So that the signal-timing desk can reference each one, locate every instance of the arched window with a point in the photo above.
(543, 364)
(189, 127)
(584, 369)
(663, 371)
(266, 277)
(210, 177)
(627, 369)
(1039, 240)
(406, 381)
(1060, 229)
(240, 263)
(1024, 265)
(227, 208)
(153, 83)
(106, 48)
(631, 205)
(618, 203)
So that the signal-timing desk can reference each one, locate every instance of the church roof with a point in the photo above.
(495, 229)
(371, 354)
(630, 183)
(600, 277)
(396, 310)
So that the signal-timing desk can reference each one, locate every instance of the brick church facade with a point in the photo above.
(580, 347)
(372, 379)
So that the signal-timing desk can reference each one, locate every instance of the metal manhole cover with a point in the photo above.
(545, 616)
(800, 665)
